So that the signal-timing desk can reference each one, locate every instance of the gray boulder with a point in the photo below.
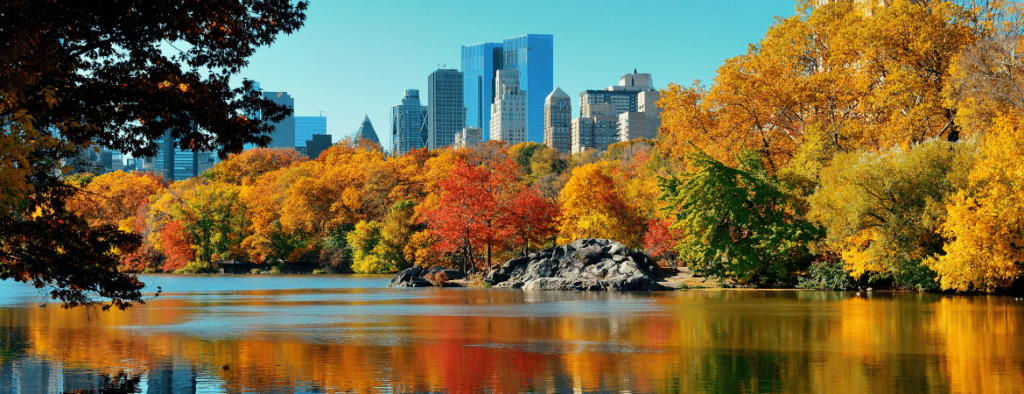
(416, 276)
(585, 264)
(410, 277)
(510, 284)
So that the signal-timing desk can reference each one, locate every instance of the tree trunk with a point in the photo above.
(488, 258)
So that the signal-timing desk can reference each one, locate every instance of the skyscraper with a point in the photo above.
(366, 132)
(558, 121)
(174, 163)
(479, 63)
(408, 124)
(284, 133)
(532, 55)
(306, 126)
(508, 113)
(446, 113)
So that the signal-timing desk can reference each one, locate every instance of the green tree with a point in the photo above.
(737, 222)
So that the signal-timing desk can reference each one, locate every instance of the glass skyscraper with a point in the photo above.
(307, 126)
(479, 64)
(408, 123)
(532, 55)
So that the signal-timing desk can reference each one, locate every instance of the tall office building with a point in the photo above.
(408, 124)
(366, 132)
(532, 55)
(479, 63)
(508, 113)
(630, 106)
(174, 163)
(446, 113)
(558, 121)
(306, 126)
(284, 133)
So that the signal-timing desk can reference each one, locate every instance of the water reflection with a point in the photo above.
(354, 335)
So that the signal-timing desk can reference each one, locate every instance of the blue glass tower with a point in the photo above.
(533, 56)
(479, 63)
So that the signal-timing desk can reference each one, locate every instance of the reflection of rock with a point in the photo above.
(586, 264)
(416, 276)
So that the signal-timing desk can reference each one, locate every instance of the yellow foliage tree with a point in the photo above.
(114, 198)
(986, 219)
(593, 207)
(865, 78)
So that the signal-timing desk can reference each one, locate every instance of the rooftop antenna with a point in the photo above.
(445, 65)
(321, 113)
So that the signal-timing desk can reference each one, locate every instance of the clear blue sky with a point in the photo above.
(356, 57)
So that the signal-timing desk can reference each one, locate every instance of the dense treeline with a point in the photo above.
(879, 145)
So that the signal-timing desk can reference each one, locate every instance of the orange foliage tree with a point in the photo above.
(473, 212)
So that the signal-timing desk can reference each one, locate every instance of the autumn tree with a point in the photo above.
(471, 216)
(593, 206)
(114, 198)
(74, 76)
(862, 78)
(244, 168)
(882, 211)
(985, 226)
(533, 220)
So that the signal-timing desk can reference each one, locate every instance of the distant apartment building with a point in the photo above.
(469, 137)
(306, 126)
(509, 111)
(630, 106)
(408, 124)
(317, 145)
(558, 121)
(533, 56)
(446, 113)
(480, 62)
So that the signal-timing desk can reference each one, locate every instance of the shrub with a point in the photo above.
(827, 274)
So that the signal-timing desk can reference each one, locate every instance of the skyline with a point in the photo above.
(363, 66)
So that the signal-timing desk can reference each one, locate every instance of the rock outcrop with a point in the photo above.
(416, 276)
(586, 264)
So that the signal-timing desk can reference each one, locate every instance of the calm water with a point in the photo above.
(320, 334)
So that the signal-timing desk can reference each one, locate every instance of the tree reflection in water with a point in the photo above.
(466, 340)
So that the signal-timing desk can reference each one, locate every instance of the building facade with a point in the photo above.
(630, 106)
(479, 64)
(317, 145)
(469, 137)
(306, 126)
(284, 131)
(533, 56)
(174, 163)
(645, 121)
(558, 121)
(446, 114)
(509, 111)
(408, 124)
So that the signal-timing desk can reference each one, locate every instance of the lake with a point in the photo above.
(326, 334)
